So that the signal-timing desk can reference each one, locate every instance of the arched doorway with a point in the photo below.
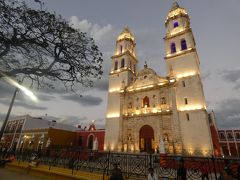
(146, 137)
(90, 142)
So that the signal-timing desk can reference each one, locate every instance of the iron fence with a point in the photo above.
(131, 164)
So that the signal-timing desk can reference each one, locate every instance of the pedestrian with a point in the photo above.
(116, 173)
(151, 174)
(204, 171)
(181, 171)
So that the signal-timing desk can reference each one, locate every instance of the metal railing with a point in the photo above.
(131, 165)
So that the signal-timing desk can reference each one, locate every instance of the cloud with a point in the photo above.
(228, 113)
(101, 34)
(101, 85)
(87, 100)
(72, 120)
(23, 104)
(206, 74)
(6, 90)
(232, 76)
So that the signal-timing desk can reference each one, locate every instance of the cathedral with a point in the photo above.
(147, 112)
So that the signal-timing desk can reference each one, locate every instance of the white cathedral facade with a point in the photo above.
(145, 109)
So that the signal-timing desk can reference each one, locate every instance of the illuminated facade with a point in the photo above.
(145, 108)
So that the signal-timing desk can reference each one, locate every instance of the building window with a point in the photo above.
(122, 63)
(229, 136)
(187, 116)
(121, 49)
(222, 136)
(116, 65)
(146, 102)
(173, 48)
(175, 24)
(163, 100)
(183, 84)
(183, 44)
(237, 135)
(186, 100)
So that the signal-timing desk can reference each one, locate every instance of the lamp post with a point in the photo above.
(8, 113)
(18, 87)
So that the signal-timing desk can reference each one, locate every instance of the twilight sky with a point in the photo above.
(216, 28)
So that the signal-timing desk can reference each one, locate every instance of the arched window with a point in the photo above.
(183, 44)
(163, 100)
(90, 142)
(173, 48)
(121, 48)
(175, 24)
(146, 102)
(122, 63)
(116, 65)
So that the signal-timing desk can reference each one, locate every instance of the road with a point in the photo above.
(6, 174)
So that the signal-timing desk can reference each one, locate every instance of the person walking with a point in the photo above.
(116, 173)
(181, 171)
(151, 174)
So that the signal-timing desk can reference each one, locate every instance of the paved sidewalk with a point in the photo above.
(43, 172)
(6, 174)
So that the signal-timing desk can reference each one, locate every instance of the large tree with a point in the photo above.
(40, 46)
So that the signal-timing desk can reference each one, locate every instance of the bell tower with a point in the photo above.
(183, 64)
(122, 73)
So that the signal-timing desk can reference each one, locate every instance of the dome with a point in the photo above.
(146, 72)
(147, 77)
(125, 34)
(175, 11)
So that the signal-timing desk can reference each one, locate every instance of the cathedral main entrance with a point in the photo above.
(146, 138)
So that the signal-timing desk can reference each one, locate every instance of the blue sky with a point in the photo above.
(216, 29)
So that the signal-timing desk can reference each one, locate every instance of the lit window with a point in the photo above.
(183, 44)
(187, 116)
(122, 63)
(186, 100)
(173, 48)
(175, 24)
(116, 65)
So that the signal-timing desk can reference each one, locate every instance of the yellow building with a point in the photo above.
(145, 109)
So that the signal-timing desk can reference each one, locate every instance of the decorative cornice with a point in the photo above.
(180, 54)
(169, 36)
(175, 17)
(122, 70)
(125, 53)
(147, 114)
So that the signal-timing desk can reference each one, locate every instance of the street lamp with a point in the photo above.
(18, 87)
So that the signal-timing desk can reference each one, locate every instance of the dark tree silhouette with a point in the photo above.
(40, 46)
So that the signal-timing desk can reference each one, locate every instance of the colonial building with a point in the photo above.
(91, 138)
(145, 108)
(26, 132)
(229, 140)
